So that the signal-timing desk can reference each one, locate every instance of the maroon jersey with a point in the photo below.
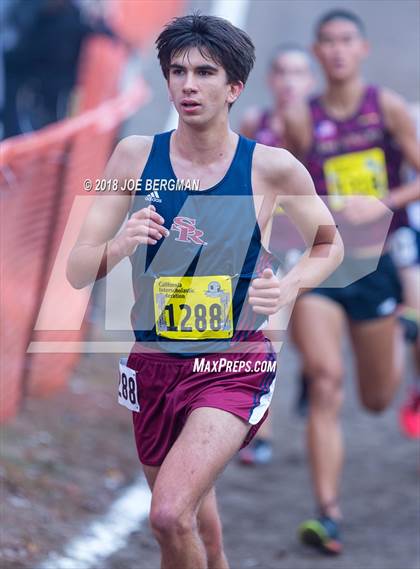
(357, 155)
(264, 134)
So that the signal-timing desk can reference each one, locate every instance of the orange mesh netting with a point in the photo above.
(40, 176)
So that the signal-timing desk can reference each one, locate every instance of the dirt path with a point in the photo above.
(66, 459)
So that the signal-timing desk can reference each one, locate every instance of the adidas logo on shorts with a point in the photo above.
(153, 197)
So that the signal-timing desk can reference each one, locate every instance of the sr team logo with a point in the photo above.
(187, 230)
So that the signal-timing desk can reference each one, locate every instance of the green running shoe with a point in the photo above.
(322, 533)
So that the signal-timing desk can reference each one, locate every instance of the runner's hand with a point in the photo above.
(145, 227)
(267, 294)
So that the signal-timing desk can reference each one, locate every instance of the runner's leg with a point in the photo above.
(209, 524)
(317, 328)
(378, 348)
(410, 279)
(207, 442)
(260, 450)
(210, 529)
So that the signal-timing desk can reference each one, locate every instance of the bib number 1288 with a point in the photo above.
(200, 317)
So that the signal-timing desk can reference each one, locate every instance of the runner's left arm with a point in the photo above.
(292, 185)
(249, 123)
(402, 127)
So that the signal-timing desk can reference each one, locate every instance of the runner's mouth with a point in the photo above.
(190, 105)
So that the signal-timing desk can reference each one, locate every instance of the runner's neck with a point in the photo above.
(203, 147)
(342, 100)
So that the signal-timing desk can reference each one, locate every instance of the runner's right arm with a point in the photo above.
(298, 129)
(250, 122)
(98, 248)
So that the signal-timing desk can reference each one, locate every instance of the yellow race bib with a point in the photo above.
(356, 173)
(193, 308)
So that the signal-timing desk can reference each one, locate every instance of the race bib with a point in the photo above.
(127, 387)
(356, 173)
(193, 308)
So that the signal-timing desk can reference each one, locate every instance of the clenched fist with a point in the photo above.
(145, 227)
(267, 294)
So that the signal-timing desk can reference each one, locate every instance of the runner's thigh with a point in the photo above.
(207, 442)
(410, 279)
(317, 330)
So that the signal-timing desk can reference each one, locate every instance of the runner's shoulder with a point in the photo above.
(129, 157)
(273, 164)
(394, 107)
(134, 147)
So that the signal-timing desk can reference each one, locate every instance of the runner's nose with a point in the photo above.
(189, 85)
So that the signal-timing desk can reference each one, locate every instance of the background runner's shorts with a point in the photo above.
(374, 296)
(169, 390)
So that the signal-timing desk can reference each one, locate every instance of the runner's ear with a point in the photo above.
(234, 91)
(366, 48)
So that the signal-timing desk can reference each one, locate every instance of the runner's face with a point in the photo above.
(199, 88)
(340, 50)
(290, 78)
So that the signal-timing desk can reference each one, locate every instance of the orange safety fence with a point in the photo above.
(40, 176)
(137, 21)
(99, 76)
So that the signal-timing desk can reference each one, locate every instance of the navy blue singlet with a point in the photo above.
(212, 232)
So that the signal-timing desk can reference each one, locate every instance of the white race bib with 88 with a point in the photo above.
(127, 387)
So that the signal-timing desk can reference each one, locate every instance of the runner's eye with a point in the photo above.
(327, 41)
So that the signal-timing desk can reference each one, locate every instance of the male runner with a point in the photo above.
(353, 139)
(190, 252)
(405, 247)
(290, 80)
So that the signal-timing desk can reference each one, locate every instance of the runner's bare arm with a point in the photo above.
(297, 196)
(250, 122)
(298, 129)
(98, 249)
(401, 126)
(287, 179)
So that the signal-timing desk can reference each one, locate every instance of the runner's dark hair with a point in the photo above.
(340, 14)
(214, 37)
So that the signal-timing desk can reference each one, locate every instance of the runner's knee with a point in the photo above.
(326, 383)
(377, 402)
(379, 399)
(167, 522)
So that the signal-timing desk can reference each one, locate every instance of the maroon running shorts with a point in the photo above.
(169, 389)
